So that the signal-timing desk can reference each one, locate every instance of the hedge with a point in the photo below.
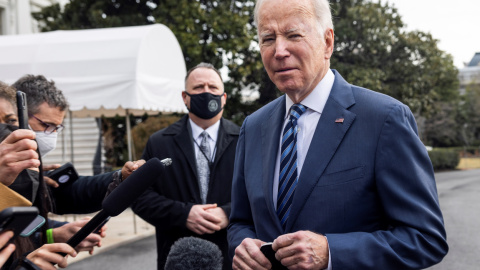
(444, 159)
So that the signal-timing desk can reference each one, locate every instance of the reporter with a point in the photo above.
(8, 108)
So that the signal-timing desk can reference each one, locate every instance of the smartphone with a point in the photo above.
(268, 252)
(64, 175)
(17, 219)
(22, 110)
(33, 226)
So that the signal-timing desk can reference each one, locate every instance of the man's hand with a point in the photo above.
(17, 152)
(47, 256)
(49, 181)
(9, 248)
(64, 233)
(201, 222)
(130, 167)
(249, 256)
(218, 212)
(302, 250)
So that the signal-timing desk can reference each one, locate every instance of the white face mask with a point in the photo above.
(46, 142)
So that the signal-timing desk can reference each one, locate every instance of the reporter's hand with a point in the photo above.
(130, 167)
(49, 181)
(64, 233)
(8, 250)
(219, 213)
(47, 256)
(200, 221)
(249, 256)
(17, 152)
(302, 250)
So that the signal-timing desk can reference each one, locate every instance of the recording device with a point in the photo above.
(122, 197)
(18, 219)
(268, 251)
(22, 110)
(64, 175)
(192, 253)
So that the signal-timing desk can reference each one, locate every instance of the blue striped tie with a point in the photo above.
(288, 176)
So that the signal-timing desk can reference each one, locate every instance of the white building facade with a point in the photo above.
(16, 15)
(470, 74)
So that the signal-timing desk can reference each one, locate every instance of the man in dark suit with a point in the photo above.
(331, 173)
(192, 198)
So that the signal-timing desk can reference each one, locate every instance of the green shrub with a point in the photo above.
(143, 131)
(470, 151)
(444, 159)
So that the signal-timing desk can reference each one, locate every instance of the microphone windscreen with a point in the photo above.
(132, 187)
(192, 253)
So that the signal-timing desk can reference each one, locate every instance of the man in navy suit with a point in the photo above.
(333, 174)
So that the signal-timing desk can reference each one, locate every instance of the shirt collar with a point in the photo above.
(317, 99)
(212, 130)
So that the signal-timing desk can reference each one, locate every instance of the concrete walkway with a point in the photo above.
(122, 229)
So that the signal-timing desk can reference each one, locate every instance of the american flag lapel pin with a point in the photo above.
(339, 120)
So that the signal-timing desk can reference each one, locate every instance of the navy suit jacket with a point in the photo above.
(367, 183)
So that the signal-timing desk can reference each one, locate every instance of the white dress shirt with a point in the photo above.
(212, 140)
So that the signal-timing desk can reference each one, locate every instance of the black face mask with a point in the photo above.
(205, 105)
(26, 184)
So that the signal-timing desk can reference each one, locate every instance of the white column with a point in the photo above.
(24, 17)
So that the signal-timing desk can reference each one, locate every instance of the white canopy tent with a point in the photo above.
(103, 71)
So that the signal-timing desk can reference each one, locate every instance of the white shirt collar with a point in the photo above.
(317, 99)
(212, 130)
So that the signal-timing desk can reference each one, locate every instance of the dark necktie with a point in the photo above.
(203, 168)
(288, 176)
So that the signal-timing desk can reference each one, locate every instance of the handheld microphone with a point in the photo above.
(123, 196)
(192, 253)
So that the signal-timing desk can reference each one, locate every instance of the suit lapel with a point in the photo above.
(326, 139)
(223, 141)
(271, 130)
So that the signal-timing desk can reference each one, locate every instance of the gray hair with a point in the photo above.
(8, 93)
(39, 90)
(203, 65)
(321, 10)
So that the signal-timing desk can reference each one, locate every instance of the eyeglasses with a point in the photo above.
(49, 129)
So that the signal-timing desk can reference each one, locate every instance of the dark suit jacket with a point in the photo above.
(366, 183)
(167, 203)
(84, 196)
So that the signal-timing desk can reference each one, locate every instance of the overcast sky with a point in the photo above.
(456, 24)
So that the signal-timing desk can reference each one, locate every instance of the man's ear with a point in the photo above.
(224, 98)
(184, 97)
(329, 43)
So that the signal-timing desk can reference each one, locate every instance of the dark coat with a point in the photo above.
(167, 203)
(84, 196)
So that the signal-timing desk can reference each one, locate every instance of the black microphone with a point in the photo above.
(122, 197)
(192, 253)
